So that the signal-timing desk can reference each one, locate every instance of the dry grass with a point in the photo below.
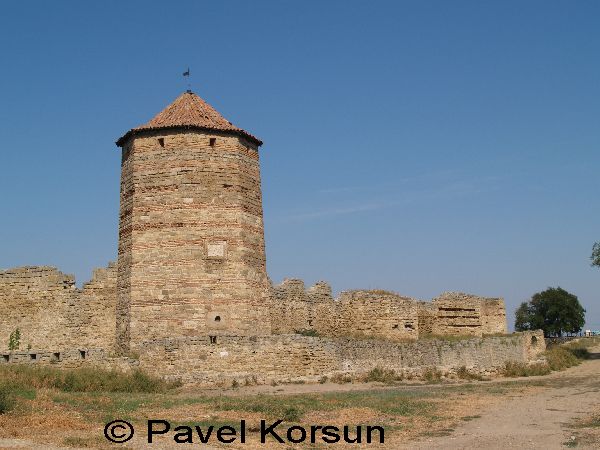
(76, 418)
(21, 377)
(464, 374)
(381, 375)
(585, 431)
(558, 357)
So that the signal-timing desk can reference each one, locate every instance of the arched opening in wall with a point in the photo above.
(55, 357)
(534, 341)
(217, 318)
(5, 358)
(33, 357)
(82, 354)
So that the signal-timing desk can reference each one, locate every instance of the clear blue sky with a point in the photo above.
(413, 146)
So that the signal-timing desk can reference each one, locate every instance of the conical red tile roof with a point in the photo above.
(189, 111)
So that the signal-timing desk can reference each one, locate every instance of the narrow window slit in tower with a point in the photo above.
(161, 142)
(82, 354)
(6, 358)
(213, 141)
(213, 339)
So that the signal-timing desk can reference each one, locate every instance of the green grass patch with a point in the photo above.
(432, 375)
(84, 442)
(105, 407)
(7, 400)
(558, 357)
(293, 407)
(469, 418)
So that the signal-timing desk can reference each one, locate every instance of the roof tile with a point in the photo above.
(189, 111)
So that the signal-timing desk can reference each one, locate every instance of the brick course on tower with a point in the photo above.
(191, 239)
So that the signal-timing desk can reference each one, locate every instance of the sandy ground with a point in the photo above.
(538, 421)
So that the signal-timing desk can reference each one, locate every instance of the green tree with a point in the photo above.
(596, 254)
(555, 311)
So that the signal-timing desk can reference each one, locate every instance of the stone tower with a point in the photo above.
(191, 238)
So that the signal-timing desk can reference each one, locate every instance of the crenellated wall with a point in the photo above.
(377, 314)
(295, 309)
(493, 316)
(52, 314)
(427, 315)
(381, 314)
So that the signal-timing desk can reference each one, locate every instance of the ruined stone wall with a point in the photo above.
(36, 301)
(291, 307)
(377, 314)
(52, 314)
(463, 314)
(493, 316)
(296, 309)
(381, 314)
(191, 245)
(95, 310)
(427, 314)
(457, 314)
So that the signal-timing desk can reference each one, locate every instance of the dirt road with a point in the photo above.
(537, 421)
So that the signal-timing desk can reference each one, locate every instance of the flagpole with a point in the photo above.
(187, 74)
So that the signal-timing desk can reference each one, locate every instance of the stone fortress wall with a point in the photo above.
(70, 327)
(293, 357)
(52, 314)
(382, 314)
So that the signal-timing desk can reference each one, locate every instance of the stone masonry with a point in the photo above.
(457, 313)
(191, 239)
(52, 314)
